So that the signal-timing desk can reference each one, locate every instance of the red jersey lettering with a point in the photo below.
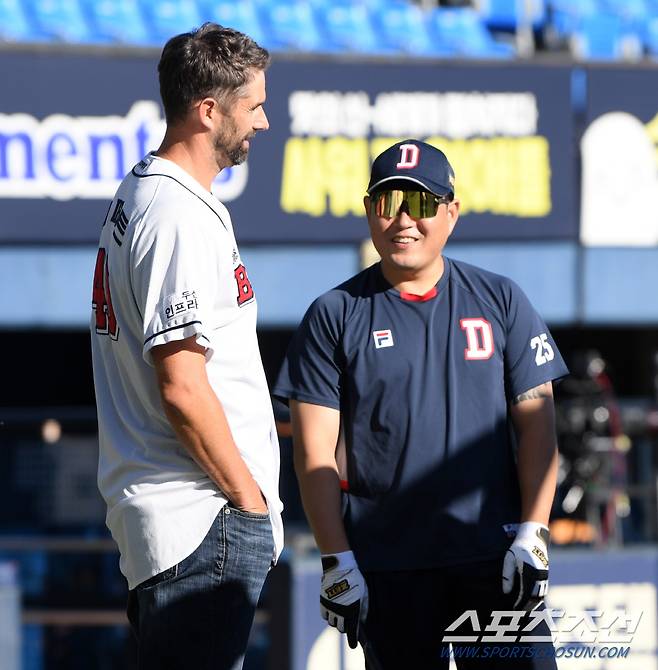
(245, 290)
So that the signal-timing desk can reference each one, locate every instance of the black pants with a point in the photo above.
(409, 613)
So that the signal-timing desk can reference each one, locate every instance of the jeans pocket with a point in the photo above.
(160, 578)
(256, 516)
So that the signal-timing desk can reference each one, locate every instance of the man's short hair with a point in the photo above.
(211, 61)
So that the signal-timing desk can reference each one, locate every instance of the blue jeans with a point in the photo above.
(198, 613)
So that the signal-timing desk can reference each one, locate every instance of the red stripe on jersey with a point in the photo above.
(412, 297)
(344, 485)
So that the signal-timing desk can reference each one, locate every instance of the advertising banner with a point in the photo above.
(619, 149)
(506, 131)
(72, 125)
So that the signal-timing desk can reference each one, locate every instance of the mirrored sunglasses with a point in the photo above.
(419, 204)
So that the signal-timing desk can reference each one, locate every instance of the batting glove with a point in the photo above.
(343, 594)
(525, 569)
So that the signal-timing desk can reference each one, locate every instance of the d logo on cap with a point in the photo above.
(409, 156)
(413, 161)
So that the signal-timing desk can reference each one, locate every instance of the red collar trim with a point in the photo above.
(413, 297)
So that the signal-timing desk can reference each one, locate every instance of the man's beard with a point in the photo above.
(226, 144)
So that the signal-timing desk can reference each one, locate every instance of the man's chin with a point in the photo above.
(403, 262)
(239, 155)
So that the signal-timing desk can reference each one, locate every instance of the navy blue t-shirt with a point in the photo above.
(424, 388)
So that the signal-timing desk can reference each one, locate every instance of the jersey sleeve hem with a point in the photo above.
(538, 381)
(288, 394)
(175, 333)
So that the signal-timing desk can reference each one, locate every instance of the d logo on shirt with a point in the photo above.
(479, 339)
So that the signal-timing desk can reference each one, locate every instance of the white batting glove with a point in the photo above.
(525, 569)
(343, 594)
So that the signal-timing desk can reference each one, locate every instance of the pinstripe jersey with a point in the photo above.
(168, 267)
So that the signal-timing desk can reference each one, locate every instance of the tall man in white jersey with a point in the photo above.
(189, 458)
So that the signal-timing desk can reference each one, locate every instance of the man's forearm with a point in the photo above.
(315, 435)
(537, 468)
(537, 460)
(197, 417)
(320, 491)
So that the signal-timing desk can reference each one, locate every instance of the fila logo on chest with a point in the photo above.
(479, 339)
(382, 338)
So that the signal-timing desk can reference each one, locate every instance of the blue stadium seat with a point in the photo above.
(566, 16)
(60, 20)
(378, 4)
(462, 30)
(348, 27)
(166, 18)
(605, 37)
(14, 25)
(506, 14)
(241, 16)
(635, 14)
(404, 28)
(651, 38)
(292, 25)
(628, 10)
(117, 21)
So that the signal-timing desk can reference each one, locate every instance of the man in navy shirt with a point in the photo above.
(422, 407)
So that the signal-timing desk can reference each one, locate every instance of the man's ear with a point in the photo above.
(453, 214)
(207, 111)
(366, 204)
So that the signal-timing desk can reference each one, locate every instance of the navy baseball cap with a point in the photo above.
(416, 162)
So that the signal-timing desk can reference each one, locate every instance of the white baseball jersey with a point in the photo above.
(168, 268)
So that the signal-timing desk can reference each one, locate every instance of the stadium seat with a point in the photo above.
(506, 14)
(404, 28)
(604, 37)
(117, 21)
(651, 38)
(635, 14)
(166, 18)
(348, 27)
(60, 20)
(241, 16)
(378, 4)
(631, 11)
(292, 25)
(462, 30)
(566, 16)
(14, 25)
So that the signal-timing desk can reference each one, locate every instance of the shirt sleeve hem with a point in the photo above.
(287, 394)
(174, 334)
(530, 384)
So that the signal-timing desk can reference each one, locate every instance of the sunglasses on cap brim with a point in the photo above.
(417, 204)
